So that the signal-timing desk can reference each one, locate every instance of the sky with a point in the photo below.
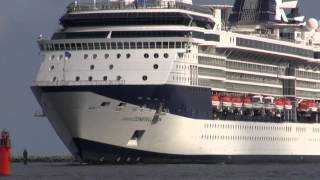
(21, 22)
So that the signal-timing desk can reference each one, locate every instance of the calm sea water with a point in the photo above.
(63, 171)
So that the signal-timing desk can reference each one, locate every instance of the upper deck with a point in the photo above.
(102, 6)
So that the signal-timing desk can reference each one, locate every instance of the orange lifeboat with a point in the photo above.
(313, 106)
(215, 101)
(226, 101)
(279, 103)
(308, 105)
(287, 104)
(236, 102)
(247, 103)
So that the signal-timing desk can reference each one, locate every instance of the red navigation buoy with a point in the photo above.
(5, 148)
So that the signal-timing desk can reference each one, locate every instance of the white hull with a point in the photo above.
(79, 115)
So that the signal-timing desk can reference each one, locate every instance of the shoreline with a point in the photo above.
(45, 159)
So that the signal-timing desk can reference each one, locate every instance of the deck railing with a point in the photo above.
(78, 7)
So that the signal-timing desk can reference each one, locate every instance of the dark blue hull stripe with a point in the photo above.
(95, 152)
(192, 102)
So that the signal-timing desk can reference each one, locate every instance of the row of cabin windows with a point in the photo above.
(308, 75)
(104, 78)
(118, 56)
(315, 139)
(247, 138)
(253, 78)
(211, 61)
(311, 85)
(111, 66)
(248, 127)
(112, 45)
(316, 130)
(276, 48)
(254, 67)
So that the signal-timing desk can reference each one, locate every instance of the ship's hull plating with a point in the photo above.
(96, 125)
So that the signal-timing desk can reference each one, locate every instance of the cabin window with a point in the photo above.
(144, 77)
(92, 67)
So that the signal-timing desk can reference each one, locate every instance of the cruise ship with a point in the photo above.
(174, 82)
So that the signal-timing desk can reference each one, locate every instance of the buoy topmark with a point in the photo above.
(5, 148)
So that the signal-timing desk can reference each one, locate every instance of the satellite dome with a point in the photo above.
(312, 24)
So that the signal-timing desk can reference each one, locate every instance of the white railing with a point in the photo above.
(78, 83)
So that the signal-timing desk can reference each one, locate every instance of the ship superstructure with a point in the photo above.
(170, 81)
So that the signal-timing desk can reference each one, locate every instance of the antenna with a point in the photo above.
(94, 4)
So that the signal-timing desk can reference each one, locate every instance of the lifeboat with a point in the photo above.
(226, 101)
(215, 101)
(279, 104)
(257, 102)
(308, 105)
(269, 102)
(236, 102)
(313, 106)
(247, 104)
(287, 104)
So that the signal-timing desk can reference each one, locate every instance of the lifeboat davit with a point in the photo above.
(226, 101)
(287, 104)
(215, 101)
(308, 105)
(247, 104)
(279, 103)
(236, 102)
(269, 102)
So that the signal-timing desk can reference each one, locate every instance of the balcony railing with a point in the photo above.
(78, 7)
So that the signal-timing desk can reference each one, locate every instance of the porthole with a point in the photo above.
(103, 104)
(105, 78)
(128, 56)
(155, 66)
(119, 78)
(166, 55)
(156, 55)
(85, 56)
(90, 78)
(51, 68)
(106, 56)
(146, 55)
(119, 56)
(60, 57)
(144, 77)
(111, 66)
(94, 56)
(54, 79)
(92, 67)
(77, 78)
(51, 57)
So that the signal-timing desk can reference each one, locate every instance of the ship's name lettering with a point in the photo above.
(138, 119)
